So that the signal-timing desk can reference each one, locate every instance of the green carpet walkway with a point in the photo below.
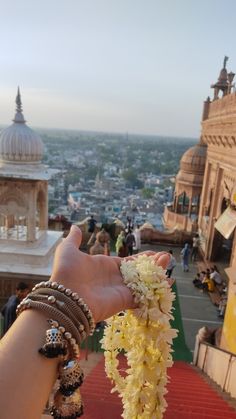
(181, 351)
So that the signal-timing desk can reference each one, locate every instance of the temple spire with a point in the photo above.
(19, 117)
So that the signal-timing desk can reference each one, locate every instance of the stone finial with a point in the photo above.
(206, 107)
(223, 83)
(18, 101)
(19, 117)
(225, 61)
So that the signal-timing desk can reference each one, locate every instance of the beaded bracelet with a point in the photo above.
(70, 308)
(52, 312)
(70, 322)
(73, 297)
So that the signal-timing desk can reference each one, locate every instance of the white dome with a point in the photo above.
(18, 142)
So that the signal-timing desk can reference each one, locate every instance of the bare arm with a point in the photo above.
(26, 377)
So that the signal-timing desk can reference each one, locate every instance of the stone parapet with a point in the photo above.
(226, 106)
(180, 222)
(219, 129)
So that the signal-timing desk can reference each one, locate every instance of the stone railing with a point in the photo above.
(223, 107)
(168, 237)
(219, 365)
(178, 221)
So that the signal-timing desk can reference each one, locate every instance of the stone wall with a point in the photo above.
(219, 186)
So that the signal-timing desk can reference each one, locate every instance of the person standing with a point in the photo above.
(171, 265)
(185, 257)
(9, 309)
(196, 244)
(130, 242)
(137, 236)
(129, 225)
(91, 224)
(121, 249)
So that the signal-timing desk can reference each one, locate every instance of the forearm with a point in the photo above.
(26, 377)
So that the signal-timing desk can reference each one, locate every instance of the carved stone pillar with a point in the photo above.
(31, 219)
(42, 207)
(205, 190)
(175, 205)
(190, 207)
(44, 215)
(213, 213)
(183, 204)
(10, 221)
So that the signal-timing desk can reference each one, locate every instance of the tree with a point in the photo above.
(148, 193)
(131, 177)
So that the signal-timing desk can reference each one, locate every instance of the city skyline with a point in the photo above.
(102, 66)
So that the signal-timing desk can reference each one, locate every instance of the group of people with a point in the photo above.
(128, 241)
(208, 280)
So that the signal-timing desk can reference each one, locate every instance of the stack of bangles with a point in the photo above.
(70, 322)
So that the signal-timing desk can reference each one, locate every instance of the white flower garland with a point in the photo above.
(145, 335)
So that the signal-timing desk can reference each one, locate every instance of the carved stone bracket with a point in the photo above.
(226, 141)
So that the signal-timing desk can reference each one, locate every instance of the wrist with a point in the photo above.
(70, 321)
(19, 348)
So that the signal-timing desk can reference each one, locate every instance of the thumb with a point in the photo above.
(75, 236)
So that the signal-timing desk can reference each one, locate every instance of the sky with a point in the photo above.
(138, 66)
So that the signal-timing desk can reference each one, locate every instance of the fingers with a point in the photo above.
(170, 281)
(162, 259)
(147, 252)
(75, 236)
(159, 254)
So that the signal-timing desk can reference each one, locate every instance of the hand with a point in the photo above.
(97, 279)
(171, 281)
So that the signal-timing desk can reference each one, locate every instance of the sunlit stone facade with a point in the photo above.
(219, 193)
(26, 245)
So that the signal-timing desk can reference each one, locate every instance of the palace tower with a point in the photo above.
(26, 246)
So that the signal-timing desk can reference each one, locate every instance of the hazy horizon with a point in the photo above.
(109, 66)
(118, 133)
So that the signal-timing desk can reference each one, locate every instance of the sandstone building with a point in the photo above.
(183, 214)
(205, 192)
(217, 214)
(26, 245)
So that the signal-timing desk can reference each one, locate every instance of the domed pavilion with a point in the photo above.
(189, 180)
(26, 245)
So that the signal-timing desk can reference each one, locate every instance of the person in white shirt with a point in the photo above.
(215, 276)
(137, 236)
(171, 265)
(196, 243)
